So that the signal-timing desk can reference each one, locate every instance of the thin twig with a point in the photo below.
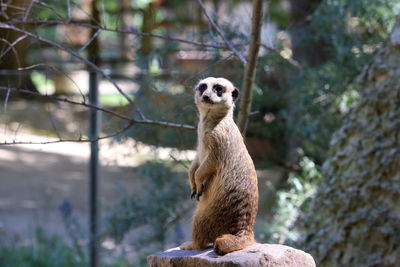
(104, 14)
(88, 42)
(22, 37)
(11, 46)
(7, 5)
(53, 124)
(164, 37)
(107, 111)
(79, 140)
(57, 71)
(179, 161)
(125, 31)
(40, 3)
(28, 10)
(69, 10)
(6, 101)
(221, 34)
(17, 130)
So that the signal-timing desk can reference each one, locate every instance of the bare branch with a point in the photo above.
(250, 70)
(40, 3)
(11, 46)
(29, 9)
(179, 162)
(125, 31)
(53, 124)
(221, 34)
(88, 42)
(57, 71)
(75, 54)
(79, 140)
(6, 101)
(69, 10)
(172, 125)
(104, 14)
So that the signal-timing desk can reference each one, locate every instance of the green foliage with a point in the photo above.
(158, 204)
(45, 252)
(349, 31)
(345, 33)
(292, 204)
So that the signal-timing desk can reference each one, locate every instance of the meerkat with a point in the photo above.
(222, 176)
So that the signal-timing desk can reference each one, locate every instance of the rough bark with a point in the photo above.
(355, 217)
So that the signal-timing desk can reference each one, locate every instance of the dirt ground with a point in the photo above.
(37, 179)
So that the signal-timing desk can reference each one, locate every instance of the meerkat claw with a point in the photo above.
(199, 195)
(193, 194)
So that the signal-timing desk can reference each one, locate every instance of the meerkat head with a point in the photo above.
(215, 93)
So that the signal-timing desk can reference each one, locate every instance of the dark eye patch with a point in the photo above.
(202, 87)
(219, 89)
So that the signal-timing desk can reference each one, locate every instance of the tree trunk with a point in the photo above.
(355, 217)
(250, 68)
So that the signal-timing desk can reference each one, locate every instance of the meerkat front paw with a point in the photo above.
(193, 193)
(196, 194)
(199, 191)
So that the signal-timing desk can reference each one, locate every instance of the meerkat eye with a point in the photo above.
(202, 87)
(219, 89)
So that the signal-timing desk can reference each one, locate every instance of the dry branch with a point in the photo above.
(105, 110)
(75, 54)
(125, 31)
(221, 34)
(223, 46)
(250, 70)
(14, 24)
(60, 140)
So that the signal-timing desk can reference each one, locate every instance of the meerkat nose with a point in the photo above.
(206, 98)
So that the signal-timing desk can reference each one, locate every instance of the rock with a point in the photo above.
(255, 255)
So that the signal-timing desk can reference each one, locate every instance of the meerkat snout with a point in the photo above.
(206, 98)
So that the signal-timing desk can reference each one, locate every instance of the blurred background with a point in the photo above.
(148, 55)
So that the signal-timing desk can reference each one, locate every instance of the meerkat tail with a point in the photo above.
(228, 243)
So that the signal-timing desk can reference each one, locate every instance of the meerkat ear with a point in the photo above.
(235, 94)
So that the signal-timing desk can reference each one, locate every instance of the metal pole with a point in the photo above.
(94, 126)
